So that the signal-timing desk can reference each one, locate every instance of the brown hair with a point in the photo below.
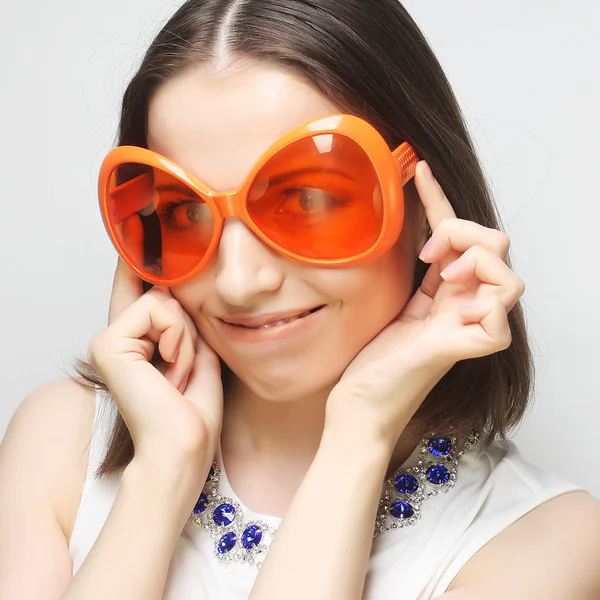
(371, 60)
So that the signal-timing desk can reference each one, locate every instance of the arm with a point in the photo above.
(42, 467)
(131, 557)
(552, 552)
(459, 312)
(321, 549)
(43, 448)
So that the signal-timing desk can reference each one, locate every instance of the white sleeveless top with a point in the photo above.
(494, 488)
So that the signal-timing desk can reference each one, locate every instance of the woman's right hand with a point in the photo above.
(178, 414)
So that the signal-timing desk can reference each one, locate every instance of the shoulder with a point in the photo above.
(550, 552)
(45, 448)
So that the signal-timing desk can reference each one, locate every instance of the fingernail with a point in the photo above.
(450, 270)
(427, 171)
(183, 384)
(426, 251)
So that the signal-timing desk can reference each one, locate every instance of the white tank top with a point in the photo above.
(494, 488)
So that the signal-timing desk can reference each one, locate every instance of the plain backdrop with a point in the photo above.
(526, 74)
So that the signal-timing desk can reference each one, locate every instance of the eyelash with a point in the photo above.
(335, 200)
(165, 211)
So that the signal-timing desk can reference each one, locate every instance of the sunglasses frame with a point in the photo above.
(392, 168)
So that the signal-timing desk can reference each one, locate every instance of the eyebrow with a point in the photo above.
(173, 188)
(272, 180)
(309, 170)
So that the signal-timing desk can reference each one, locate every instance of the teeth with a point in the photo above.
(283, 321)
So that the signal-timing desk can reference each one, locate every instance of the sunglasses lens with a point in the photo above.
(319, 197)
(162, 225)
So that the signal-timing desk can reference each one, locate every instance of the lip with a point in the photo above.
(263, 319)
(276, 333)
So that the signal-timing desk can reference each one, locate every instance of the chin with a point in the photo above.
(293, 385)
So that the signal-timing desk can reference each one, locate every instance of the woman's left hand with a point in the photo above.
(460, 311)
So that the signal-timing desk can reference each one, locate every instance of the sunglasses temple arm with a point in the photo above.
(131, 197)
(407, 159)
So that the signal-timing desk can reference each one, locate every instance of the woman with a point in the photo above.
(293, 358)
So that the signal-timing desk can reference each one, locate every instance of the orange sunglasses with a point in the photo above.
(328, 193)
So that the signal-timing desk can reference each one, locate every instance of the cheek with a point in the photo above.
(192, 296)
(383, 294)
(364, 300)
(381, 288)
(369, 297)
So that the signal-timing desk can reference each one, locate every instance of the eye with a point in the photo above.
(306, 202)
(184, 214)
(194, 212)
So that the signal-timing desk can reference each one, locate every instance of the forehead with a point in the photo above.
(217, 128)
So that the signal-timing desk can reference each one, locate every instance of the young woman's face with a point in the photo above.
(217, 128)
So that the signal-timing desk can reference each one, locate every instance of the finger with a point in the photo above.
(132, 232)
(178, 372)
(419, 306)
(490, 269)
(149, 317)
(127, 288)
(205, 387)
(434, 200)
(460, 235)
(489, 331)
(436, 204)
(431, 282)
(174, 304)
(175, 344)
(162, 296)
(206, 362)
(134, 333)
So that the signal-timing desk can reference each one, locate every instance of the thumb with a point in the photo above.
(204, 387)
(127, 288)
(419, 306)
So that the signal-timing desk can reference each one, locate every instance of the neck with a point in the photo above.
(284, 435)
(264, 429)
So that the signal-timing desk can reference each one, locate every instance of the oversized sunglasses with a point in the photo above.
(327, 193)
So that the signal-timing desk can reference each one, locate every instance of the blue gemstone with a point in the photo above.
(224, 514)
(440, 446)
(402, 510)
(226, 543)
(201, 505)
(438, 474)
(252, 536)
(406, 484)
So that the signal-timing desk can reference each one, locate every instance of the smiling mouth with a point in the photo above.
(280, 322)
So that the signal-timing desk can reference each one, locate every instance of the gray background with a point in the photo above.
(526, 74)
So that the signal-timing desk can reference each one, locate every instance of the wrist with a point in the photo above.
(350, 443)
(172, 488)
(183, 462)
(375, 411)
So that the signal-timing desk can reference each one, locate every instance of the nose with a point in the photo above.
(246, 267)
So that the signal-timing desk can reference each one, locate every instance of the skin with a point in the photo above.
(280, 405)
(313, 419)
(276, 406)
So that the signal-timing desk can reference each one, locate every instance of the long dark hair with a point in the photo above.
(371, 60)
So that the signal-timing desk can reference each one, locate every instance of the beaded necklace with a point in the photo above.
(247, 541)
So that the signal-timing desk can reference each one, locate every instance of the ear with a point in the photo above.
(415, 216)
